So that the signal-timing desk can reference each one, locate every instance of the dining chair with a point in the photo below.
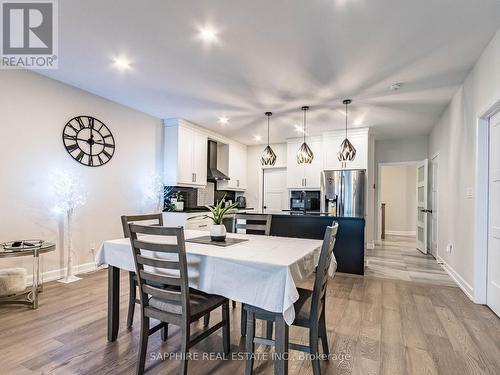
(256, 224)
(309, 311)
(156, 219)
(178, 305)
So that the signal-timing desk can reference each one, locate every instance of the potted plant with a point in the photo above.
(218, 211)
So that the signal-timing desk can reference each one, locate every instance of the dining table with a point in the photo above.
(262, 271)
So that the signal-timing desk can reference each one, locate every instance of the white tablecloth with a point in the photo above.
(262, 272)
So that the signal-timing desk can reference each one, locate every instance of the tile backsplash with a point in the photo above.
(199, 197)
(206, 195)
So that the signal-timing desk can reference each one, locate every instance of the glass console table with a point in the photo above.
(26, 248)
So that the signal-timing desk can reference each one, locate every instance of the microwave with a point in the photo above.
(305, 201)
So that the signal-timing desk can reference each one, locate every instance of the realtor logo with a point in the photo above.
(29, 34)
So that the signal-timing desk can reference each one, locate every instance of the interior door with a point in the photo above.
(434, 205)
(422, 181)
(493, 286)
(275, 190)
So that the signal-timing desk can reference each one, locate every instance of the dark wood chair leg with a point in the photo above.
(226, 336)
(269, 329)
(185, 349)
(281, 361)
(206, 320)
(143, 345)
(243, 324)
(131, 299)
(164, 332)
(113, 302)
(250, 345)
(324, 334)
(313, 346)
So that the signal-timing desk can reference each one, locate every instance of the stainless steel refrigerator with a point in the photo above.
(343, 193)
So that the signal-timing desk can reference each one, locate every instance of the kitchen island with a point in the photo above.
(349, 247)
(350, 244)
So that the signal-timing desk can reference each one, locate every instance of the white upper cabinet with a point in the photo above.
(331, 146)
(236, 167)
(185, 156)
(304, 176)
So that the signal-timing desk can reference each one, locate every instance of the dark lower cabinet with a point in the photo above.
(350, 244)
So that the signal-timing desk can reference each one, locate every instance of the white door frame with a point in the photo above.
(379, 191)
(481, 202)
(435, 156)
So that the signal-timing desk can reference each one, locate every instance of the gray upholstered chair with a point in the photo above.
(309, 311)
(156, 219)
(175, 304)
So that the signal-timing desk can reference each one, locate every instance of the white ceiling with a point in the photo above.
(277, 56)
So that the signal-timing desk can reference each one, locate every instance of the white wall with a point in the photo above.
(34, 110)
(254, 167)
(400, 150)
(396, 151)
(398, 192)
(454, 137)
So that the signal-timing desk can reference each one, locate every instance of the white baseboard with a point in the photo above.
(60, 273)
(401, 233)
(462, 284)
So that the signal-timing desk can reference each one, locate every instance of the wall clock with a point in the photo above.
(88, 141)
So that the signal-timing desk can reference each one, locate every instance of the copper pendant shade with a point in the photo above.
(268, 157)
(305, 154)
(347, 152)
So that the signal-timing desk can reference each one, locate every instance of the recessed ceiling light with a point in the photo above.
(208, 34)
(257, 138)
(121, 63)
(396, 86)
(223, 120)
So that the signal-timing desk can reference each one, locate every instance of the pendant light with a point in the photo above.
(268, 156)
(347, 152)
(305, 155)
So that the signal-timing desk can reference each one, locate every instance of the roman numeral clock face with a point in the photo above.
(88, 141)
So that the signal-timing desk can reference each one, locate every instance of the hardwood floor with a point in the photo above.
(398, 258)
(375, 326)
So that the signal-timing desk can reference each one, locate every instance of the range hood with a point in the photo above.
(213, 174)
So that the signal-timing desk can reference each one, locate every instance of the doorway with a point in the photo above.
(398, 198)
(403, 255)
(275, 193)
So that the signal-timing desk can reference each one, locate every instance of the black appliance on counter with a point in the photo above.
(305, 201)
(242, 201)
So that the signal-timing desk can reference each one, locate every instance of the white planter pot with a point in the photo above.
(179, 206)
(218, 232)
